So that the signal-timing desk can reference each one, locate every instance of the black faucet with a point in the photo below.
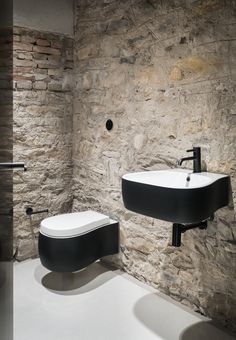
(196, 159)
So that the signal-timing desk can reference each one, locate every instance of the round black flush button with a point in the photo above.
(109, 124)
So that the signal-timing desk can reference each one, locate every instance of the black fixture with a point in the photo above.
(75, 253)
(176, 205)
(109, 124)
(10, 166)
(30, 211)
(179, 229)
(196, 159)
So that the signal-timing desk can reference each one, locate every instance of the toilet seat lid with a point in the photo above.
(73, 224)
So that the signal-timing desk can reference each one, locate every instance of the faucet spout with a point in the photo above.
(180, 161)
(196, 159)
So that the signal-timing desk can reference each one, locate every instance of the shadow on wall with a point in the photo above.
(77, 283)
(170, 321)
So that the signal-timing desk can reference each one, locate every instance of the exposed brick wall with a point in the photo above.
(43, 65)
(164, 72)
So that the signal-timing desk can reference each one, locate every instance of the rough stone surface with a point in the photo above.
(164, 72)
(42, 132)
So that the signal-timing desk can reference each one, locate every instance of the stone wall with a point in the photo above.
(164, 72)
(43, 65)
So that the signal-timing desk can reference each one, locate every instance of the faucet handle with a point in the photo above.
(195, 149)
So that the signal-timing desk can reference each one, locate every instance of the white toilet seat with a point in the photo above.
(73, 224)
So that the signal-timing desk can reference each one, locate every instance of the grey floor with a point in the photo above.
(99, 304)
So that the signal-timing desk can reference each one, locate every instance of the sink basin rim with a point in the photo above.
(208, 178)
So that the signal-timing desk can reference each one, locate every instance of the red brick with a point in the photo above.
(23, 77)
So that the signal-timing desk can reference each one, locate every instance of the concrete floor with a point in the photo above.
(99, 304)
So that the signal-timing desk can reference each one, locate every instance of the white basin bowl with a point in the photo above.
(176, 178)
(175, 195)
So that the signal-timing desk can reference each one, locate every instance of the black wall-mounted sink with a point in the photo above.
(175, 195)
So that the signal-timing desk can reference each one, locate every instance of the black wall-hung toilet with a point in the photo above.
(71, 242)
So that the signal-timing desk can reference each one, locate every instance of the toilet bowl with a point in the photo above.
(71, 242)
